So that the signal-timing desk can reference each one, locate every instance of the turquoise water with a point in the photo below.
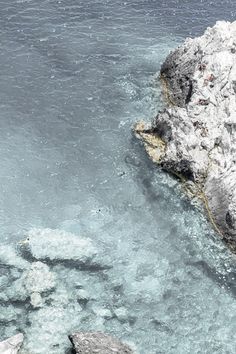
(75, 76)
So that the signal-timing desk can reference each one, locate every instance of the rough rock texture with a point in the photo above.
(195, 135)
(11, 345)
(58, 245)
(97, 343)
(32, 285)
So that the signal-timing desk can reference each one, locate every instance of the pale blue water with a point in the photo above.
(74, 77)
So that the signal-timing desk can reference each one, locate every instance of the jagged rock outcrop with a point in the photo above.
(195, 135)
(11, 345)
(97, 343)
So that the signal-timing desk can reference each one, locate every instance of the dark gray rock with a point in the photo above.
(97, 343)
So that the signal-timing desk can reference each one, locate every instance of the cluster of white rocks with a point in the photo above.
(36, 278)
(194, 137)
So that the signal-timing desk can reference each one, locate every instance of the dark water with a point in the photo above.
(75, 76)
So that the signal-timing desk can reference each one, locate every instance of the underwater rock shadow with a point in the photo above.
(227, 281)
(71, 264)
(145, 170)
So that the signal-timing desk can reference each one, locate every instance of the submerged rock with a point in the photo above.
(8, 314)
(97, 343)
(58, 246)
(122, 314)
(33, 282)
(9, 257)
(11, 345)
(194, 137)
(102, 312)
(38, 278)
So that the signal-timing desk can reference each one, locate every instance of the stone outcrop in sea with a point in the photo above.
(194, 137)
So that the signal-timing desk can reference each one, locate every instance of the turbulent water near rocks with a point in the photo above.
(75, 76)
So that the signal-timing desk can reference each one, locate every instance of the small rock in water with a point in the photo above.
(11, 345)
(38, 278)
(103, 312)
(122, 314)
(82, 296)
(97, 343)
(36, 300)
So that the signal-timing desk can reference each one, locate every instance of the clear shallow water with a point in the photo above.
(75, 76)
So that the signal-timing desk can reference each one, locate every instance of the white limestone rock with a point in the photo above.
(38, 278)
(34, 281)
(36, 300)
(196, 132)
(98, 343)
(12, 345)
(55, 246)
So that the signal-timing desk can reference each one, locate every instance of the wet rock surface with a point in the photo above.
(97, 343)
(195, 135)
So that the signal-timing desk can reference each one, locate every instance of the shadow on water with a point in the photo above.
(226, 281)
(89, 265)
(145, 170)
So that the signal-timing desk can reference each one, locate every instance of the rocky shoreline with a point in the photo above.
(194, 136)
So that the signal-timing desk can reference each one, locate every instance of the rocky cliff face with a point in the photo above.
(195, 135)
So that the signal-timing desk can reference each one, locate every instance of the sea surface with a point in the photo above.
(75, 75)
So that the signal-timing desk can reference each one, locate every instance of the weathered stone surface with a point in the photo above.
(97, 343)
(59, 246)
(195, 135)
(11, 345)
(38, 278)
(35, 281)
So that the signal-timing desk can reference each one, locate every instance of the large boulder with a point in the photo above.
(58, 246)
(194, 137)
(97, 343)
(11, 345)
